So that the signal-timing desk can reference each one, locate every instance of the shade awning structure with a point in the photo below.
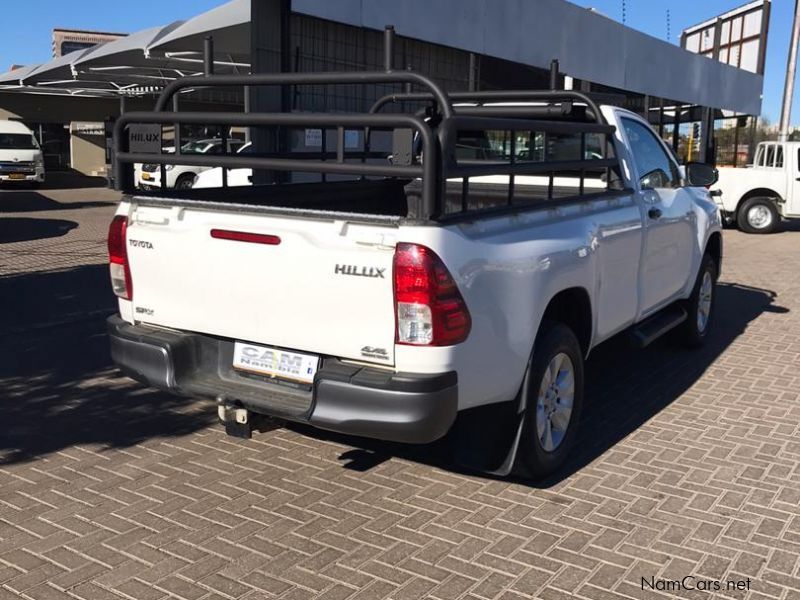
(130, 50)
(15, 76)
(123, 67)
(229, 25)
(14, 81)
(124, 62)
(58, 69)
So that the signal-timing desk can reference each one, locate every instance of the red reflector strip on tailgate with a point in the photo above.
(243, 236)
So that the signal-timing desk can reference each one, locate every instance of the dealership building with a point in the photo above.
(72, 101)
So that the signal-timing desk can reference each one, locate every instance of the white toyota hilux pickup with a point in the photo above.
(455, 266)
(756, 198)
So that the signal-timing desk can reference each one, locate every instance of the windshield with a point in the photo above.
(198, 147)
(18, 141)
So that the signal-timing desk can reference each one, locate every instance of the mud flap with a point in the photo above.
(486, 438)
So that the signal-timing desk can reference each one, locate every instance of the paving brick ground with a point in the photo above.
(688, 463)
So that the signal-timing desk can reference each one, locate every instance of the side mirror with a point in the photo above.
(701, 175)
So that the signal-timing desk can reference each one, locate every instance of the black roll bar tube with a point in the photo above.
(426, 171)
(499, 96)
(263, 79)
(448, 134)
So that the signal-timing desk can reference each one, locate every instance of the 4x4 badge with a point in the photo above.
(371, 352)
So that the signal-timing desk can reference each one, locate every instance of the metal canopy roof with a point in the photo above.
(533, 32)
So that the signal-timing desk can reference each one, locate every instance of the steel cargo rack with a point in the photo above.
(424, 144)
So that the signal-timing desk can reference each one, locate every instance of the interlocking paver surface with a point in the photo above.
(688, 463)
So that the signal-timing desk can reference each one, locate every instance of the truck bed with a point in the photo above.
(379, 199)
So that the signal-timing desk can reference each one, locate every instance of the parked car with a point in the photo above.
(756, 198)
(212, 178)
(148, 176)
(425, 292)
(21, 158)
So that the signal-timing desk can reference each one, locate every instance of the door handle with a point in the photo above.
(654, 213)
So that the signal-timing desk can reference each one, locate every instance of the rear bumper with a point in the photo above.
(401, 407)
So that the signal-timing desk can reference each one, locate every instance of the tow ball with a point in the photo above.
(238, 421)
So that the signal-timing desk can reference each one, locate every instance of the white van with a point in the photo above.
(21, 158)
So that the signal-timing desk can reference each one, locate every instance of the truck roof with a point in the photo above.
(7, 126)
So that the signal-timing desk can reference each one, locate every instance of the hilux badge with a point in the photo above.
(357, 271)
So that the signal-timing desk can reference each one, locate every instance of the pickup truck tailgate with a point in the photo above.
(312, 285)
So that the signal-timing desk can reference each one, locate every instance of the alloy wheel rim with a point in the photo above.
(554, 402)
(759, 217)
(704, 302)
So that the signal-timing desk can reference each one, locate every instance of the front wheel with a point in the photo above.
(700, 305)
(758, 215)
(185, 181)
(553, 387)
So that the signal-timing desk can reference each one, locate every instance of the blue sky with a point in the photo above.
(26, 38)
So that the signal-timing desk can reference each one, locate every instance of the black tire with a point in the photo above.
(768, 211)
(533, 459)
(694, 330)
(185, 181)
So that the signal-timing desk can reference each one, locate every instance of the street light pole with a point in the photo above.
(791, 67)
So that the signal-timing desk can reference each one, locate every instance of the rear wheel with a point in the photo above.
(758, 215)
(554, 388)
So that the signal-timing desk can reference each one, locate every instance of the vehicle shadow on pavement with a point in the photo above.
(26, 230)
(58, 387)
(60, 390)
(21, 201)
(789, 226)
(625, 387)
(42, 299)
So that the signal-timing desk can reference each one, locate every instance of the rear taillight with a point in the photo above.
(118, 258)
(430, 310)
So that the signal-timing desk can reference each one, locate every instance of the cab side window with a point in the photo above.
(770, 155)
(759, 161)
(656, 169)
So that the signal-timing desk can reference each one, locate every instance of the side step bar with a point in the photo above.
(652, 328)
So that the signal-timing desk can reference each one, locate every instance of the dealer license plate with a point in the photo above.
(146, 176)
(16, 176)
(272, 362)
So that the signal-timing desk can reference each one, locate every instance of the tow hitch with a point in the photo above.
(238, 421)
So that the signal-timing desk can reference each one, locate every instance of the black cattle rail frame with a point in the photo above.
(433, 132)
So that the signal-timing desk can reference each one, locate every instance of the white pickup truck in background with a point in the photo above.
(421, 292)
(756, 198)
